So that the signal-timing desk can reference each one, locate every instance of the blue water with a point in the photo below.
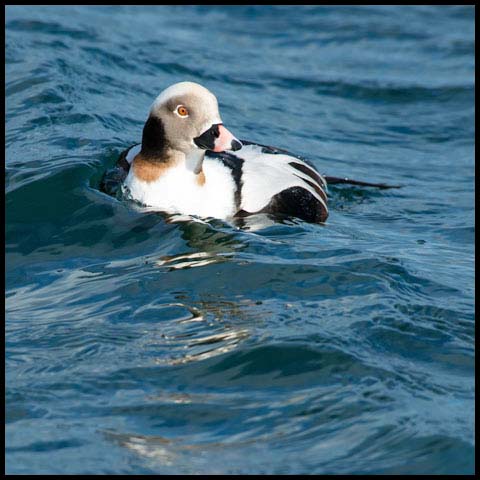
(137, 345)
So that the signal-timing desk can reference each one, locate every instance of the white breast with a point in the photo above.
(177, 191)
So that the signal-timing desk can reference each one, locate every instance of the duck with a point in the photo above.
(189, 163)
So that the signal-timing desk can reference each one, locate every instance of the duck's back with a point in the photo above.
(271, 180)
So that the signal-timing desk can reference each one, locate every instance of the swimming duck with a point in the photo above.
(189, 163)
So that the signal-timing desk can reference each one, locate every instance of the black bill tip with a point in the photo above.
(236, 145)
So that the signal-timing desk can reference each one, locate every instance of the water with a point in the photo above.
(135, 345)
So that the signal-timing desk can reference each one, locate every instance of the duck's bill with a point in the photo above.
(218, 139)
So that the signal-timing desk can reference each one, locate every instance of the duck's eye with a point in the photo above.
(181, 111)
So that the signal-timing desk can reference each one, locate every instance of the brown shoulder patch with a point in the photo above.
(200, 178)
(149, 170)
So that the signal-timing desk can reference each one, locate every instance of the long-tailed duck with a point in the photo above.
(189, 163)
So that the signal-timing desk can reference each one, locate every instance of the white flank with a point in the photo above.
(266, 174)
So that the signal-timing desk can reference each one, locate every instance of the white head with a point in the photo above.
(185, 118)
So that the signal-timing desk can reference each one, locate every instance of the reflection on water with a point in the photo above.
(218, 344)
(197, 259)
(212, 242)
(205, 333)
(158, 448)
(259, 221)
(175, 452)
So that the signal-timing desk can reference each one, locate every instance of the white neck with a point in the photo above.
(194, 160)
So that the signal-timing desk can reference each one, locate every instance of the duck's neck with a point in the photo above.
(194, 161)
(157, 154)
(151, 167)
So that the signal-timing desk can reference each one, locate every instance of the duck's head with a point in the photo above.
(185, 118)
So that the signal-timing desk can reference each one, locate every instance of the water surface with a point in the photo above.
(137, 345)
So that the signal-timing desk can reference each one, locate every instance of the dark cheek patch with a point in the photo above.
(153, 138)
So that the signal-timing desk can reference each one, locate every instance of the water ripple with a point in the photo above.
(165, 344)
